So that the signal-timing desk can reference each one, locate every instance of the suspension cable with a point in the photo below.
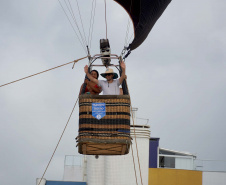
(92, 16)
(93, 23)
(73, 17)
(132, 34)
(72, 27)
(59, 141)
(127, 31)
(43, 71)
(128, 25)
(81, 21)
(106, 18)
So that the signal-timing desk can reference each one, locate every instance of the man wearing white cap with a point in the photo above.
(111, 85)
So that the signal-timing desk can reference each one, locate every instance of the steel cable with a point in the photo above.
(72, 26)
(128, 26)
(81, 22)
(92, 16)
(73, 17)
(135, 136)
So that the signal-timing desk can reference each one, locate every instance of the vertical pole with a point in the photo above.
(106, 18)
(124, 84)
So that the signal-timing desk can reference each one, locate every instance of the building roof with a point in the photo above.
(173, 152)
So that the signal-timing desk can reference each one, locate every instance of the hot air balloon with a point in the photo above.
(104, 120)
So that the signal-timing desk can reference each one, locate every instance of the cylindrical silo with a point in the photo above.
(95, 170)
(116, 170)
(120, 169)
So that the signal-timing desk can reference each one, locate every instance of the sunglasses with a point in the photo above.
(109, 74)
(105, 50)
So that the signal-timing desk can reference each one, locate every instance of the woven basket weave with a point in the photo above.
(111, 134)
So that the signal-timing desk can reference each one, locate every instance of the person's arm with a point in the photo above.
(97, 89)
(90, 76)
(94, 87)
(123, 76)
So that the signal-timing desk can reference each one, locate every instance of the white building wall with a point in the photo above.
(73, 168)
(95, 170)
(73, 173)
(119, 170)
(214, 178)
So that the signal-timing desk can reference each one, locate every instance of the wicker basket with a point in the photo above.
(111, 134)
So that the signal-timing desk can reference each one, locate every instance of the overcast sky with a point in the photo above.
(176, 79)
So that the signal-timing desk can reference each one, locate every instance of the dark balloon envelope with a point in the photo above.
(144, 14)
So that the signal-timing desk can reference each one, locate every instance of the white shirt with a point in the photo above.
(109, 88)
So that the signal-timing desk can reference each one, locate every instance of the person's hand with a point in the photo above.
(123, 65)
(86, 69)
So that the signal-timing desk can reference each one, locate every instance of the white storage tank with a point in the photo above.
(112, 170)
(95, 170)
(120, 169)
(116, 170)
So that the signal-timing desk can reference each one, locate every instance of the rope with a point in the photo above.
(59, 141)
(106, 18)
(44, 71)
(135, 137)
(134, 165)
(136, 147)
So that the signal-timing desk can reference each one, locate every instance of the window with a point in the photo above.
(166, 162)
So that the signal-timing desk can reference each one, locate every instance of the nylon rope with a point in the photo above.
(135, 136)
(72, 26)
(106, 19)
(81, 22)
(136, 144)
(134, 165)
(59, 141)
(43, 71)
(73, 17)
